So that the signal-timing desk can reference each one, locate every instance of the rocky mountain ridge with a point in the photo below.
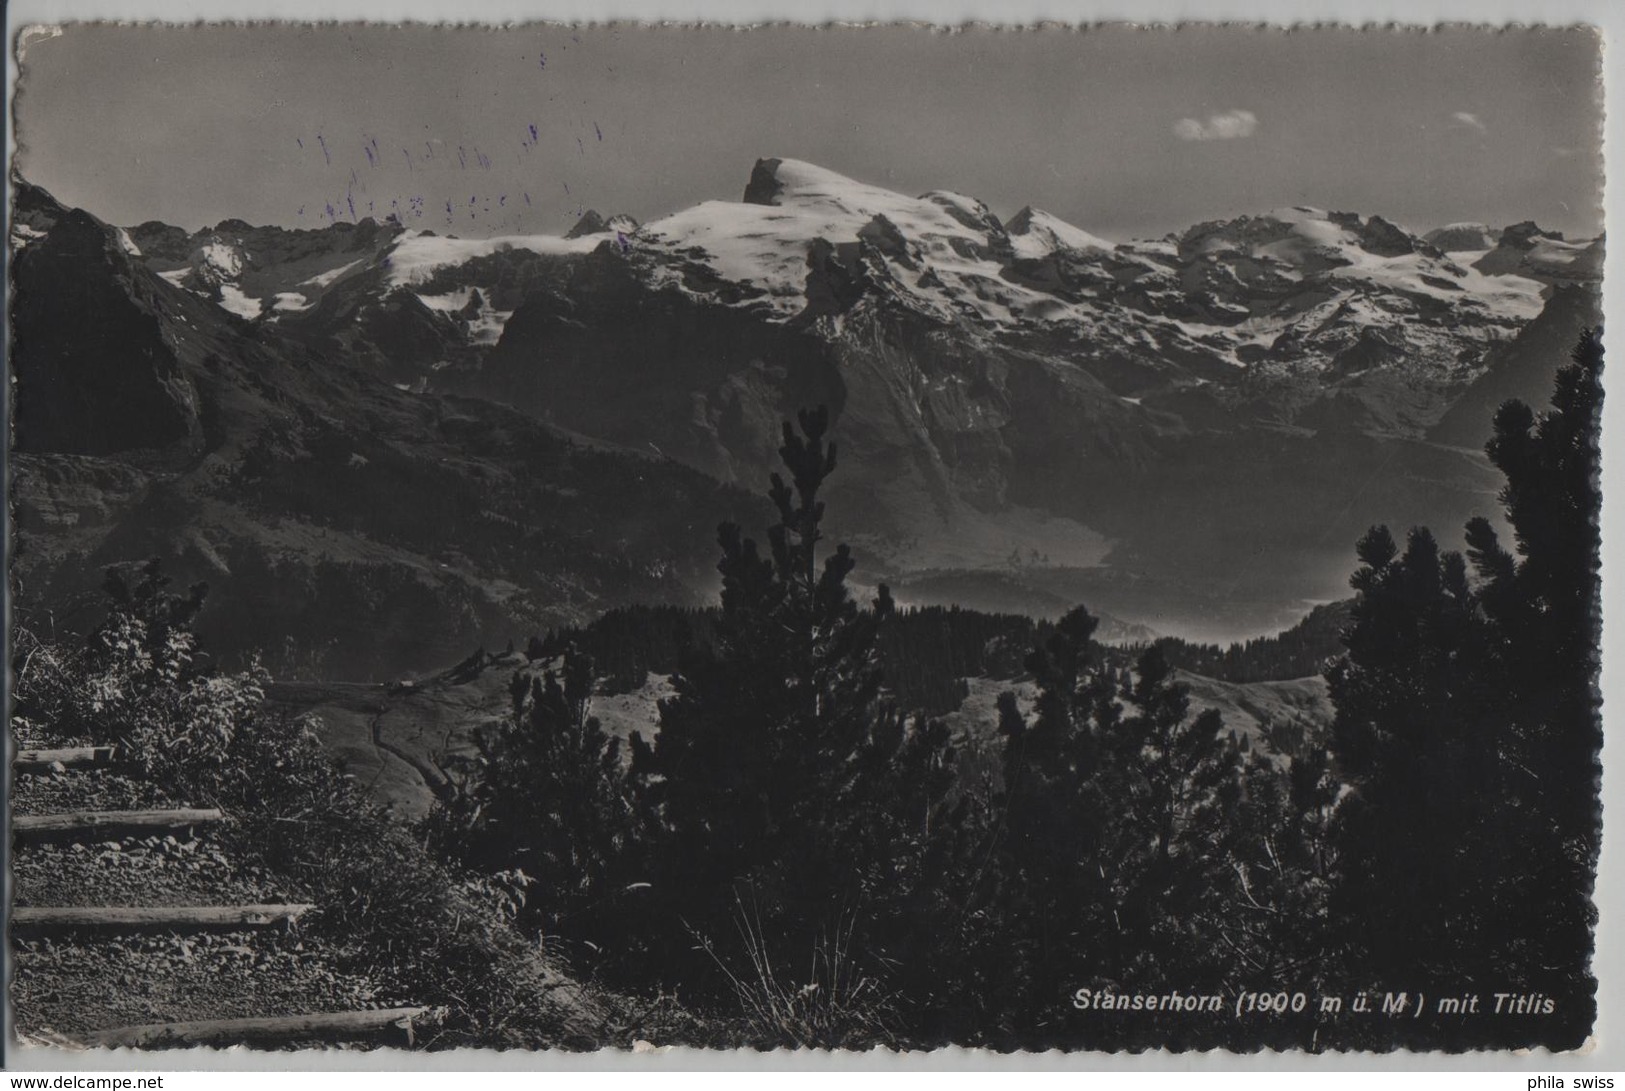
(1007, 395)
(346, 528)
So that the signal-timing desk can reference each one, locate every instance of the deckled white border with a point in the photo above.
(1608, 1052)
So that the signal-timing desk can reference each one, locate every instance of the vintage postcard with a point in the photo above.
(577, 536)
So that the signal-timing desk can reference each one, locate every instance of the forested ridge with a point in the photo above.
(928, 651)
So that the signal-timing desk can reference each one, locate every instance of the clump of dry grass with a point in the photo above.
(835, 1005)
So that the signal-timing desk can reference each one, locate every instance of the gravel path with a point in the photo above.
(84, 790)
(141, 871)
(67, 983)
(67, 986)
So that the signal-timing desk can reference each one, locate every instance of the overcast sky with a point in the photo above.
(1125, 133)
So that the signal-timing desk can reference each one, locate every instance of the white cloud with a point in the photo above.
(1230, 125)
(1470, 120)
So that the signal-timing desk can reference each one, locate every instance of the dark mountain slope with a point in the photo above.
(91, 362)
(1524, 368)
(345, 526)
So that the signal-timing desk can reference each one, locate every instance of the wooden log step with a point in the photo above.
(107, 825)
(35, 920)
(45, 761)
(328, 1027)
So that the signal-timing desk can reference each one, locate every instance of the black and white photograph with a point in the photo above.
(589, 537)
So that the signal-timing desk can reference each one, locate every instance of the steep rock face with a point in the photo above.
(701, 383)
(1475, 237)
(396, 334)
(1378, 236)
(1524, 368)
(161, 242)
(933, 423)
(95, 372)
(1524, 250)
(764, 186)
(590, 223)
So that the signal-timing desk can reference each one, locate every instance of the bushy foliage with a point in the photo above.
(549, 807)
(1122, 822)
(415, 925)
(139, 681)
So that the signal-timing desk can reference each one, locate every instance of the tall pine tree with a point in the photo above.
(1467, 727)
(778, 779)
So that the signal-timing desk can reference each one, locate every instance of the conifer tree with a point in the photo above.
(1543, 606)
(1545, 600)
(1416, 738)
(550, 800)
(777, 772)
(1168, 857)
(1278, 928)
(1117, 810)
(1467, 727)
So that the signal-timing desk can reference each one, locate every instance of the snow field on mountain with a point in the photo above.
(416, 256)
(323, 280)
(1508, 296)
(234, 300)
(943, 256)
(1037, 234)
(766, 246)
(484, 328)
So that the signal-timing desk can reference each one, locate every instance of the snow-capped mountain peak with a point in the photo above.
(941, 253)
(1035, 233)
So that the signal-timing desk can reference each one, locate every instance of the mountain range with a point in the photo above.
(382, 446)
